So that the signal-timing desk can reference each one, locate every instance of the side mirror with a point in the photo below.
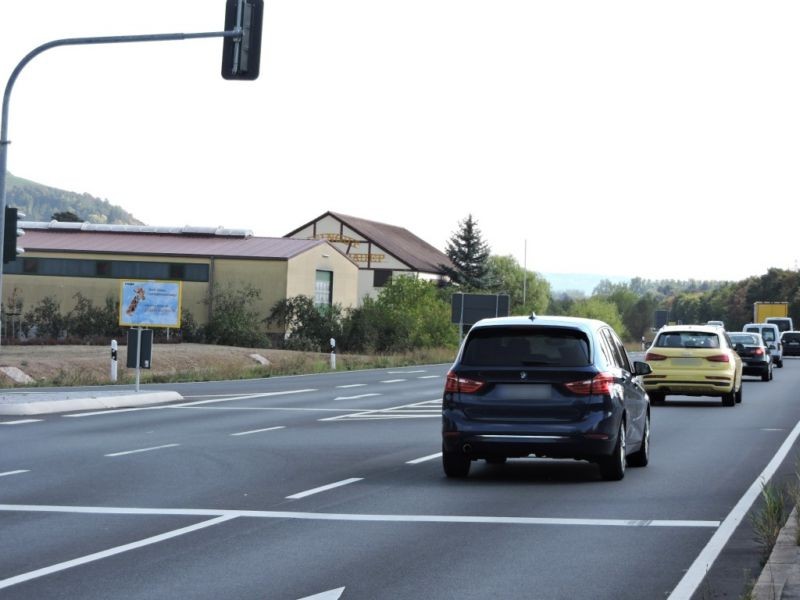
(641, 368)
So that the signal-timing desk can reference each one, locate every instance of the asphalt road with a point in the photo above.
(330, 486)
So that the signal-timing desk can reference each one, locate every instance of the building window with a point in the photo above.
(103, 268)
(118, 269)
(30, 266)
(323, 288)
(381, 277)
(176, 271)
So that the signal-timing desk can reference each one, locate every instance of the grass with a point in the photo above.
(769, 519)
(292, 364)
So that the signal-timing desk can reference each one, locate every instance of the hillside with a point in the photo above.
(39, 203)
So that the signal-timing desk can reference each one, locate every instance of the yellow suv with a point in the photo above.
(693, 360)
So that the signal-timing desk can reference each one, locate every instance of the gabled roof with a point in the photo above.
(139, 241)
(418, 254)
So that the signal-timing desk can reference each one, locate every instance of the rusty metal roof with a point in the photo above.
(163, 244)
(418, 254)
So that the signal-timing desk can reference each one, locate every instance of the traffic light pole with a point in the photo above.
(120, 39)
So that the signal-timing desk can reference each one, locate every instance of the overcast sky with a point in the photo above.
(652, 139)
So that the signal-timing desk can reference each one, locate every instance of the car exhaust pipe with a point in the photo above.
(466, 448)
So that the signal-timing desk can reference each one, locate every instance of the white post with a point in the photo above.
(138, 355)
(114, 360)
(333, 354)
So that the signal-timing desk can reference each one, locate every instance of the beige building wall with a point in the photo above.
(303, 270)
(267, 276)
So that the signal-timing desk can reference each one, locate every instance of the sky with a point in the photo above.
(622, 138)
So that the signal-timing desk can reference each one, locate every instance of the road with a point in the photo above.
(330, 486)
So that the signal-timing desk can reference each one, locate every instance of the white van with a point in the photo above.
(772, 338)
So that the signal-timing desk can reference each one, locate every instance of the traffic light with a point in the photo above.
(241, 56)
(10, 235)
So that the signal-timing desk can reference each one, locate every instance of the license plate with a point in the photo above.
(523, 391)
(686, 362)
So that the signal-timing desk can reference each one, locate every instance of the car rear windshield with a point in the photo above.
(791, 337)
(687, 339)
(526, 347)
(744, 338)
(768, 333)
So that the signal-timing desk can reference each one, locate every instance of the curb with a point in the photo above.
(780, 577)
(51, 403)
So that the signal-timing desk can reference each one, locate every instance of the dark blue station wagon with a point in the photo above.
(558, 387)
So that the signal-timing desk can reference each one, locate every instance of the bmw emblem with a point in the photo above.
(523, 375)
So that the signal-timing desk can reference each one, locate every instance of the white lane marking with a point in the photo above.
(352, 385)
(323, 488)
(393, 380)
(14, 472)
(310, 516)
(113, 411)
(110, 552)
(260, 430)
(289, 408)
(423, 459)
(405, 372)
(142, 450)
(702, 564)
(356, 397)
(429, 377)
(246, 397)
(773, 429)
(21, 421)
(329, 595)
(419, 410)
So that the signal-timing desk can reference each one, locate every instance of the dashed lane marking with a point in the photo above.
(356, 397)
(352, 385)
(20, 421)
(393, 380)
(423, 459)
(260, 430)
(406, 372)
(323, 488)
(17, 472)
(429, 377)
(126, 452)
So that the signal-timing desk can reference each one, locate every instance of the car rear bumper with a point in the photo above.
(590, 438)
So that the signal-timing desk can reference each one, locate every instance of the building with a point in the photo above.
(381, 251)
(62, 259)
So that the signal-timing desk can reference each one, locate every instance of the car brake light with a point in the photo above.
(599, 384)
(758, 352)
(653, 356)
(454, 383)
(719, 358)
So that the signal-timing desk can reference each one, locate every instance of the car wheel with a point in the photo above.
(456, 464)
(738, 394)
(766, 375)
(729, 399)
(780, 364)
(496, 460)
(612, 467)
(656, 397)
(641, 457)
(771, 373)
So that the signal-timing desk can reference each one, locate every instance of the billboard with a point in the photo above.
(468, 309)
(150, 304)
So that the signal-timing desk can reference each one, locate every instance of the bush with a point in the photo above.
(307, 326)
(233, 322)
(45, 320)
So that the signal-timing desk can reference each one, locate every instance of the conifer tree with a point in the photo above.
(469, 255)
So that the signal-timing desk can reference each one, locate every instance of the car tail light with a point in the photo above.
(454, 383)
(599, 384)
(758, 352)
(719, 358)
(653, 356)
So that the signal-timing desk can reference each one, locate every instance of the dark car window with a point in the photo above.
(791, 337)
(768, 335)
(528, 346)
(688, 339)
(620, 356)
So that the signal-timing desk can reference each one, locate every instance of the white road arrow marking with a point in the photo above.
(329, 595)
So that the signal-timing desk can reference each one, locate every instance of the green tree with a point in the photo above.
(45, 319)
(87, 320)
(233, 321)
(505, 275)
(469, 255)
(308, 327)
(66, 217)
(603, 310)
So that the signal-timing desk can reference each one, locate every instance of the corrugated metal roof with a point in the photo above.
(164, 244)
(397, 241)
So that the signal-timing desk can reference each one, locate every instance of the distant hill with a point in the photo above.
(581, 282)
(40, 202)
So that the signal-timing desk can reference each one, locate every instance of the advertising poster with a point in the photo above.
(150, 304)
